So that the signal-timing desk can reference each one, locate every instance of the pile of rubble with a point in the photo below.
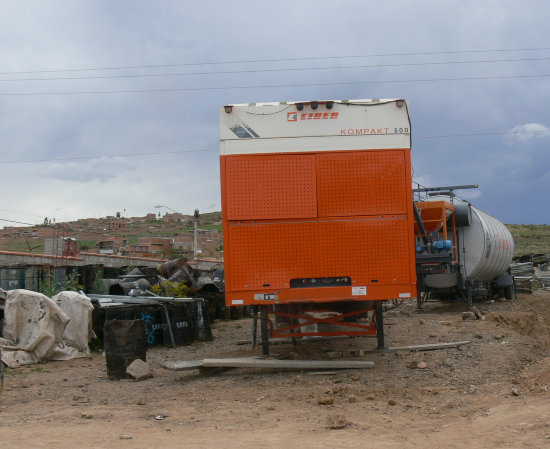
(523, 273)
(530, 271)
(544, 279)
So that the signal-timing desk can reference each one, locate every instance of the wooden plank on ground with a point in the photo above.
(186, 365)
(182, 365)
(430, 346)
(287, 364)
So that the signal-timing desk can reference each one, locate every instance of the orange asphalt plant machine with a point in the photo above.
(318, 215)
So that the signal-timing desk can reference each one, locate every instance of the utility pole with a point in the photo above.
(195, 221)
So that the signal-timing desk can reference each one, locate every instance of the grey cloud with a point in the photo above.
(57, 34)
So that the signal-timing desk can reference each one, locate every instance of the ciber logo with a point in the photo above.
(295, 117)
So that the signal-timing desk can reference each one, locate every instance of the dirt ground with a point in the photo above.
(491, 393)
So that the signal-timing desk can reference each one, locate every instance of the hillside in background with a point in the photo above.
(88, 234)
(530, 239)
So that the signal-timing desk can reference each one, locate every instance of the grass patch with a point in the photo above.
(530, 239)
(23, 246)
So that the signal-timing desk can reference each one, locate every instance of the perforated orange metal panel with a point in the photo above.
(370, 251)
(270, 254)
(324, 214)
(267, 187)
(362, 183)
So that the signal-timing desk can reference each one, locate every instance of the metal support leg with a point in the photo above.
(265, 330)
(254, 327)
(169, 323)
(419, 292)
(379, 325)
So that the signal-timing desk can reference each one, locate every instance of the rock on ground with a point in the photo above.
(337, 421)
(139, 370)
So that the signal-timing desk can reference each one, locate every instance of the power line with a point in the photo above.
(20, 213)
(74, 158)
(273, 86)
(289, 69)
(163, 153)
(249, 61)
(547, 133)
(18, 222)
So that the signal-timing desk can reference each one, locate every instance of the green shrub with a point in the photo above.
(175, 289)
(50, 287)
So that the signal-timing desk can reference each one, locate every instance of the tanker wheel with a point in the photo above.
(510, 293)
(264, 320)
(379, 322)
(501, 291)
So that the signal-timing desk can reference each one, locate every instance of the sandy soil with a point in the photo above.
(492, 393)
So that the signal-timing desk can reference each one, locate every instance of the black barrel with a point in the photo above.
(181, 326)
(154, 324)
(200, 320)
(124, 342)
(102, 314)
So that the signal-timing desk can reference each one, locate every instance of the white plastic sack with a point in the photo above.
(33, 323)
(78, 332)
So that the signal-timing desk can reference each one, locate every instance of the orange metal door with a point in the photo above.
(362, 183)
(318, 215)
(274, 186)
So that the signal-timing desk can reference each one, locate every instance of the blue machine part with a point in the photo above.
(442, 246)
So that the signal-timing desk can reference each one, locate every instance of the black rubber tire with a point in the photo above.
(510, 293)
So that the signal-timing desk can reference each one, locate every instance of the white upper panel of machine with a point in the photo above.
(314, 126)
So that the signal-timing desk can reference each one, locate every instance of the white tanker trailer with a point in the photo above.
(461, 251)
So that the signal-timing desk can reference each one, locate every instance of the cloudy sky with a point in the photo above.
(110, 106)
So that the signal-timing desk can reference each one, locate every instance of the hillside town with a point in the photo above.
(31, 254)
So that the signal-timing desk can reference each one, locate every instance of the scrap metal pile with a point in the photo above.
(176, 302)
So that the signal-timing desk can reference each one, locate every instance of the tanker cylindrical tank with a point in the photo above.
(485, 248)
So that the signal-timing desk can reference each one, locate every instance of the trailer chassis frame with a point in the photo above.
(374, 327)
